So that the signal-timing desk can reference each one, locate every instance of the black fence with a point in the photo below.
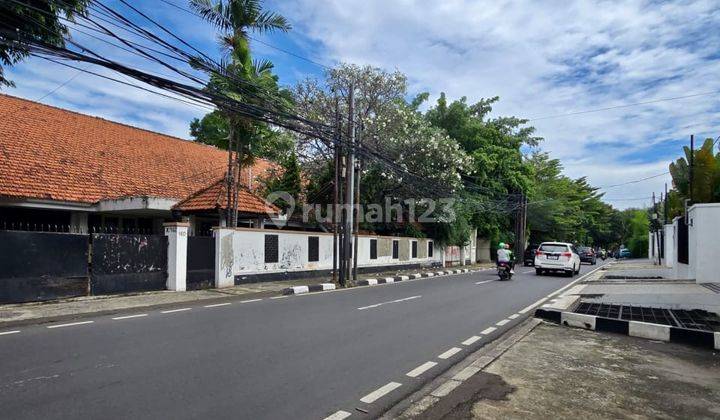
(127, 263)
(200, 262)
(36, 266)
(39, 266)
(683, 254)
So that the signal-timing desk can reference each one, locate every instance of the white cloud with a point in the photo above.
(547, 58)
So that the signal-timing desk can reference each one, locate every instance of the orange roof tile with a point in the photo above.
(56, 154)
(214, 197)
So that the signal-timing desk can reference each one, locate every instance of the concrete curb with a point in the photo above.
(659, 332)
(387, 280)
(297, 290)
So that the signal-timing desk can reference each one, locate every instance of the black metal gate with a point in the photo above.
(37, 266)
(127, 263)
(200, 262)
(682, 235)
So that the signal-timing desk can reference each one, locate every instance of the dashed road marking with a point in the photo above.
(450, 353)
(362, 308)
(278, 297)
(118, 318)
(69, 324)
(513, 316)
(484, 281)
(471, 340)
(9, 332)
(338, 415)
(503, 322)
(175, 310)
(250, 300)
(421, 369)
(487, 331)
(217, 304)
(380, 392)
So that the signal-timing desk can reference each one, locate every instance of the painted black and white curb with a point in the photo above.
(395, 279)
(646, 330)
(298, 290)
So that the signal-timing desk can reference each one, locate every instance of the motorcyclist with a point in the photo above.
(504, 255)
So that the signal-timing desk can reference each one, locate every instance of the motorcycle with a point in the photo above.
(504, 271)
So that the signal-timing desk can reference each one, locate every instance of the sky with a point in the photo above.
(548, 61)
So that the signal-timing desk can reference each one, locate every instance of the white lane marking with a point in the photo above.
(118, 318)
(9, 332)
(484, 281)
(362, 308)
(528, 272)
(450, 353)
(487, 331)
(503, 322)
(471, 340)
(70, 324)
(250, 300)
(278, 297)
(513, 316)
(531, 307)
(380, 392)
(421, 369)
(338, 415)
(217, 304)
(175, 310)
(541, 301)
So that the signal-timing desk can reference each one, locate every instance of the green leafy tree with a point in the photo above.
(38, 21)
(287, 178)
(706, 177)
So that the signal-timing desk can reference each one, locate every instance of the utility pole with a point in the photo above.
(336, 182)
(229, 176)
(665, 205)
(349, 181)
(356, 208)
(691, 167)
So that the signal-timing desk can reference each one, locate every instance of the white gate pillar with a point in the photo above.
(177, 234)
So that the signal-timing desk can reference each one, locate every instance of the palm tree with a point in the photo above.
(236, 19)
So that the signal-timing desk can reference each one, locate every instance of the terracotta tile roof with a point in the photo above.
(214, 197)
(51, 153)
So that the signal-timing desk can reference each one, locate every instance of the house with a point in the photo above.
(66, 171)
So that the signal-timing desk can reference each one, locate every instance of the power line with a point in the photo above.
(588, 111)
(635, 181)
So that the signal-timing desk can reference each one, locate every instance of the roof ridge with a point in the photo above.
(169, 136)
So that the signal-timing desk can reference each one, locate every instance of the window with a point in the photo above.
(396, 250)
(313, 248)
(430, 249)
(271, 248)
(414, 249)
(373, 249)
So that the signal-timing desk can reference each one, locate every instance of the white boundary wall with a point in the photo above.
(669, 245)
(242, 252)
(704, 242)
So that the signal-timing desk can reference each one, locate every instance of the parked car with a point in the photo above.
(557, 256)
(587, 255)
(529, 256)
(624, 253)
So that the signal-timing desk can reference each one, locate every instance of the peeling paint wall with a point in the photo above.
(242, 251)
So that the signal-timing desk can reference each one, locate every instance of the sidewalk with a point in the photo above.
(557, 372)
(18, 314)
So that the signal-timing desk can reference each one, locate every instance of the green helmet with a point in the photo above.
(501, 245)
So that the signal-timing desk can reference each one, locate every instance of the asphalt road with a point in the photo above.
(299, 357)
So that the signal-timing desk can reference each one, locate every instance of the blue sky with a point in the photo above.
(543, 58)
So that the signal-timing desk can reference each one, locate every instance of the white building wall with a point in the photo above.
(242, 252)
(704, 242)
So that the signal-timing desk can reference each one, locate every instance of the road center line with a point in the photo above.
(217, 305)
(175, 310)
(70, 324)
(487, 331)
(117, 318)
(338, 415)
(471, 340)
(484, 281)
(250, 300)
(362, 308)
(450, 353)
(421, 369)
(380, 392)
(9, 332)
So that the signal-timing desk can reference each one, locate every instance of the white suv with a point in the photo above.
(557, 256)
